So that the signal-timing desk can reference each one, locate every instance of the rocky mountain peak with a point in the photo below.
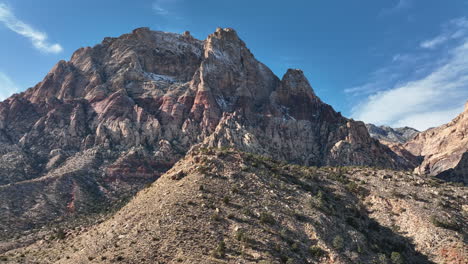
(295, 81)
(228, 34)
(232, 74)
(119, 114)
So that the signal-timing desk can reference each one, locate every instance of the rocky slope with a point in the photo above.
(443, 148)
(388, 135)
(225, 206)
(101, 126)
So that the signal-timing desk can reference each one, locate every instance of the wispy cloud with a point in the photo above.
(159, 9)
(455, 29)
(399, 6)
(428, 97)
(38, 38)
(164, 7)
(7, 86)
(433, 43)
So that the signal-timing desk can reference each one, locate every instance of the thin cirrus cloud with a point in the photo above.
(455, 29)
(7, 86)
(164, 7)
(38, 38)
(431, 95)
(399, 6)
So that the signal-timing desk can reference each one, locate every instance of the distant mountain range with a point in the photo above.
(391, 135)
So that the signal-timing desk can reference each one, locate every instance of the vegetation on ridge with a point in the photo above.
(275, 213)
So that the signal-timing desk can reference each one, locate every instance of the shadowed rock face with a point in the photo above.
(459, 173)
(119, 114)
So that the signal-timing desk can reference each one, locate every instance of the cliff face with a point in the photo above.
(442, 147)
(117, 115)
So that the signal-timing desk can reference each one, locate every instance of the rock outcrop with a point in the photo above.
(121, 113)
(459, 173)
(388, 135)
(442, 147)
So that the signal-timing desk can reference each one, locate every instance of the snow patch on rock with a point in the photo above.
(159, 77)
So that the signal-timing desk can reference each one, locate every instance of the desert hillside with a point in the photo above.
(226, 206)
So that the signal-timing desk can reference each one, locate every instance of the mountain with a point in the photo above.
(391, 135)
(118, 115)
(442, 149)
(226, 206)
(394, 138)
(156, 147)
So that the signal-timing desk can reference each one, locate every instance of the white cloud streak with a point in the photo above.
(38, 38)
(159, 9)
(434, 97)
(7, 86)
(433, 43)
(163, 7)
(455, 29)
(400, 5)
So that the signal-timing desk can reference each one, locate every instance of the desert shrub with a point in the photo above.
(60, 234)
(317, 252)
(215, 216)
(444, 224)
(338, 242)
(319, 202)
(396, 194)
(286, 236)
(247, 212)
(295, 247)
(242, 236)
(352, 187)
(352, 222)
(203, 169)
(339, 176)
(266, 218)
(382, 259)
(235, 190)
(220, 250)
(226, 199)
(396, 258)
(299, 217)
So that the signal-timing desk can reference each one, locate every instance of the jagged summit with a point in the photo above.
(226, 33)
(295, 80)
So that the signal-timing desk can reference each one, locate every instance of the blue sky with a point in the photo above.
(394, 62)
